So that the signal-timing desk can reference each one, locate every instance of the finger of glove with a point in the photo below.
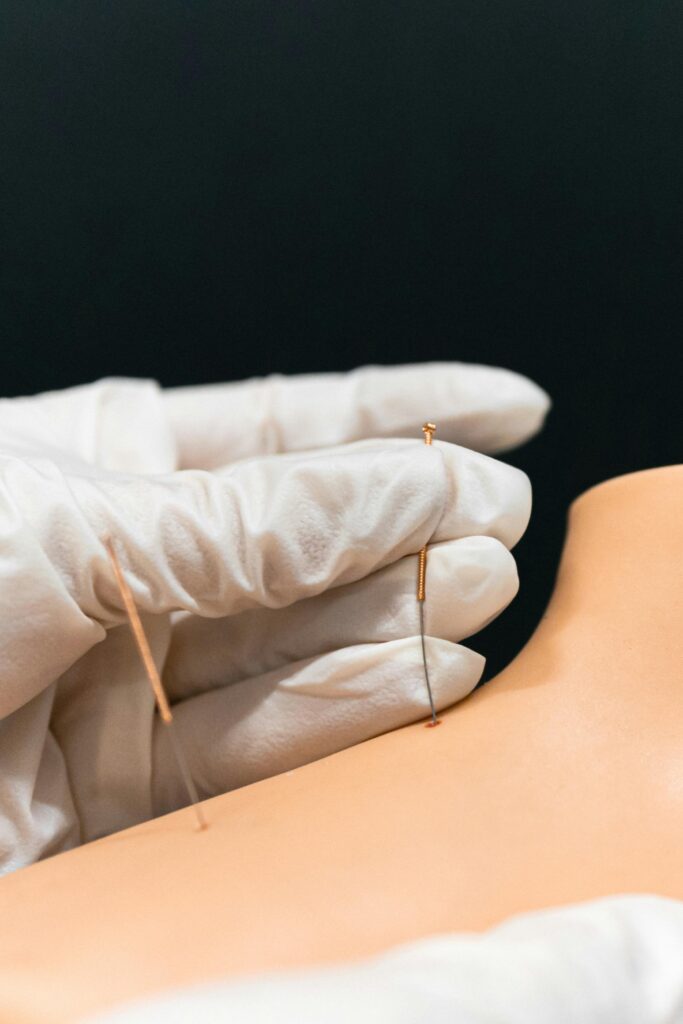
(469, 582)
(482, 407)
(486, 497)
(261, 727)
(271, 531)
(100, 423)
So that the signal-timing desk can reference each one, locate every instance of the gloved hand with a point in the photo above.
(278, 591)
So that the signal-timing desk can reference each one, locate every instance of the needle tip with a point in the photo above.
(202, 823)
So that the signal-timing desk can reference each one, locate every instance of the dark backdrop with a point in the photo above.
(209, 190)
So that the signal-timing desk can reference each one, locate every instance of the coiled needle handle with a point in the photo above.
(154, 680)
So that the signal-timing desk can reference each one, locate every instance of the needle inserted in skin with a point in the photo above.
(154, 679)
(428, 429)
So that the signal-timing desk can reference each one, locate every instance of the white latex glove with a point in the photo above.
(301, 567)
(612, 961)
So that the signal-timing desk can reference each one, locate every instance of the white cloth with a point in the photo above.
(612, 961)
(277, 590)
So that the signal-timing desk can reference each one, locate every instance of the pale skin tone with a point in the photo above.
(561, 780)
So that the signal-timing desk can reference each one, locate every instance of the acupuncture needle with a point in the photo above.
(428, 430)
(154, 680)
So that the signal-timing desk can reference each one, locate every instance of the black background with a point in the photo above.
(202, 191)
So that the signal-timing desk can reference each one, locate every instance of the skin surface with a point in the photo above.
(561, 780)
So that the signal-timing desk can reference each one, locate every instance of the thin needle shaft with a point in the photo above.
(154, 679)
(424, 662)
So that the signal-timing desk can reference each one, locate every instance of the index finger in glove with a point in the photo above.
(481, 407)
(304, 711)
(268, 532)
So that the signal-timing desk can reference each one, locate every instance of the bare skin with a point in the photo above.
(561, 780)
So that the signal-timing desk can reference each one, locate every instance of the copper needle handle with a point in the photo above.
(153, 676)
(421, 572)
(139, 633)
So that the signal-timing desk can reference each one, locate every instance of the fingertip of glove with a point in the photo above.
(488, 497)
(517, 511)
(522, 409)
